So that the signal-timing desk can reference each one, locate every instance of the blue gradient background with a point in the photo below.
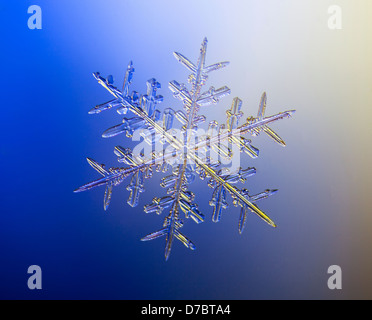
(324, 176)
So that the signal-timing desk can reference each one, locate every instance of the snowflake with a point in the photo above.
(187, 152)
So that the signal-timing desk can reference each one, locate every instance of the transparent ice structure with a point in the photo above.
(194, 150)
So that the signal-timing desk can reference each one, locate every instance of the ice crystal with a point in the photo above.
(187, 152)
